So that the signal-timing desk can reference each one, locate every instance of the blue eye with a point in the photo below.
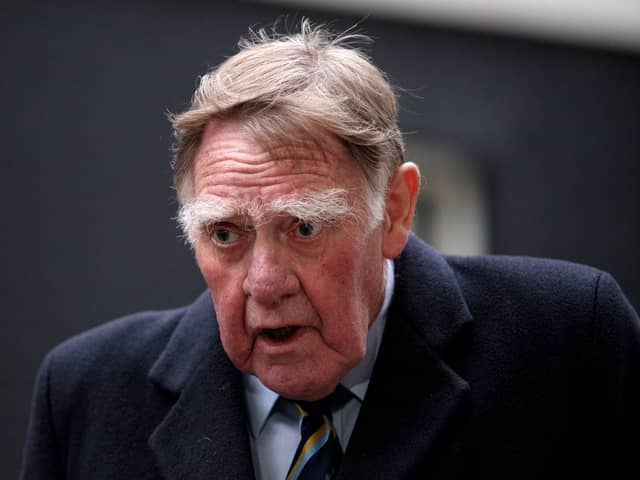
(308, 229)
(223, 236)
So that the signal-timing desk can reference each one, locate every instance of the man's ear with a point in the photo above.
(399, 208)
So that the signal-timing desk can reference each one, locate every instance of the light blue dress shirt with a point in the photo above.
(274, 423)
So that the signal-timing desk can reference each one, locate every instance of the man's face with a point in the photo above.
(295, 280)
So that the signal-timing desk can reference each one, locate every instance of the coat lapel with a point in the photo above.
(414, 391)
(204, 434)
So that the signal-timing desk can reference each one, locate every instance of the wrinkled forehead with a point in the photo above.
(235, 160)
(286, 138)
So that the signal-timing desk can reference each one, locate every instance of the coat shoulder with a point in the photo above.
(543, 291)
(131, 338)
(498, 282)
(106, 361)
(535, 277)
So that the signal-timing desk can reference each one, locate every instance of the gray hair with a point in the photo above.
(287, 87)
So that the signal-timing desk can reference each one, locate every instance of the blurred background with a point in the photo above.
(523, 116)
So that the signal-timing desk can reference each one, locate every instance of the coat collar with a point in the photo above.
(414, 391)
(205, 431)
(428, 296)
(190, 343)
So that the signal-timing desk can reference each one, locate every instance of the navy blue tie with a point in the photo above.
(318, 454)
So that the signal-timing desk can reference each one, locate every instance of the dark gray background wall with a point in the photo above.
(87, 233)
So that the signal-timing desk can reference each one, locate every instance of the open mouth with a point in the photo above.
(279, 333)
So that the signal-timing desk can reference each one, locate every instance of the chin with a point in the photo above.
(307, 391)
(309, 394)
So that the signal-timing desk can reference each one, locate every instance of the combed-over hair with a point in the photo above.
(286, 86)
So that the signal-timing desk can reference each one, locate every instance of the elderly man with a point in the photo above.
(332, 343)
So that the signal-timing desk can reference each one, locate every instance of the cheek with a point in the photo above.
(346, 299)
(225, 285)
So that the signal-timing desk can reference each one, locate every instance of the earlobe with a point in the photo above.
(400, 207)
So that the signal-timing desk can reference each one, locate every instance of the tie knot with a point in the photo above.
(326, 405)
(319, 407)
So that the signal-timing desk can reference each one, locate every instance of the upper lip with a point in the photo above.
(280, 330)
(278, 326)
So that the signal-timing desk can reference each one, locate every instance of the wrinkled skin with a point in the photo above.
(326, 282)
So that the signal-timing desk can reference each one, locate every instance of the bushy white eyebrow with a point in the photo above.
(326, 206)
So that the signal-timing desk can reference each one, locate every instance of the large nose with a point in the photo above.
(270, 278)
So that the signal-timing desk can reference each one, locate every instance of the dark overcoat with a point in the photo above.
(490, 367)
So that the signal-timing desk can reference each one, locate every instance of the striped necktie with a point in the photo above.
(318, 455)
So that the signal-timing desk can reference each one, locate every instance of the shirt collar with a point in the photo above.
(261, 400)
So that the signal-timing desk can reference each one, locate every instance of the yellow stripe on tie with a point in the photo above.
(309, 444)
